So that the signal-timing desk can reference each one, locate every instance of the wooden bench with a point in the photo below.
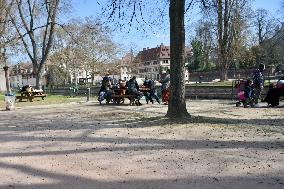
(120, 98)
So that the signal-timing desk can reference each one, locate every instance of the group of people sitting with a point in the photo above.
(29, 89)
(275, 91)
(253, 88)
(26, 88)
(132, 88)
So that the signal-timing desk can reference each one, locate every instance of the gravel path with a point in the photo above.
(87, 146)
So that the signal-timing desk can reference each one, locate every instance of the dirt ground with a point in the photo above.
(88, 146)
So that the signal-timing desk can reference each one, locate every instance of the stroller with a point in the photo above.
(244, 93)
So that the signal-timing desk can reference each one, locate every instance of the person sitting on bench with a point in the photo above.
(133, 88)
(105, 88)
(273, 95)
(26, 88)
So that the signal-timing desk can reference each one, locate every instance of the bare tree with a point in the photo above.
(84, 45)
(204, 34)
(34, 21)
(5, 8)
(265, 25)
(230, 16)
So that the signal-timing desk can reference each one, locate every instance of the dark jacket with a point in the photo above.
(149, 83)
(132, 85)
(258, 79)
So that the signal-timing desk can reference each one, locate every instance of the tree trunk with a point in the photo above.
(66, 74)
(223, 73)
(223, 41)
(38, 81)
(177, 105)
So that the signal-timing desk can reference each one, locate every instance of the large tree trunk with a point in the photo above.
(223, 72)
(177, 105)
(38, 81)
(38, 76)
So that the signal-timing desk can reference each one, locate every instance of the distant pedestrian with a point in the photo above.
(258, 83)
(165, 81)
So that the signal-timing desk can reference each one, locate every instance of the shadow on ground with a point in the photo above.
(67, 181)
(13, 129)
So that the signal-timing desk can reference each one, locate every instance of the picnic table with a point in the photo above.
(120, 94)
(144, 89)
(30, 95)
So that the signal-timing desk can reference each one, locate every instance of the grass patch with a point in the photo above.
(223, 84)
(215, 84)
(1, 97)
(50, 99)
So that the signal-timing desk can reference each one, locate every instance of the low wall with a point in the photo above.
(232, 74)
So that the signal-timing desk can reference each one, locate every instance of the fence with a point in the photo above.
(197, 91)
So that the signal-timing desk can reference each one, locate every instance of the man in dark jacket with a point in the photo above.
(152, 93)
(258, 83)
(133, 88)
(105, 88)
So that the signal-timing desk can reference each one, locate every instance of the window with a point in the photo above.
(166, 61)
(147, 63)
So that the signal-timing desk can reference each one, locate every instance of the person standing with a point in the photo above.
(258, 83)
(165, 81)
(152, 93)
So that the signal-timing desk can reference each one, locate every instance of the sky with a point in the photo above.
(154, 36)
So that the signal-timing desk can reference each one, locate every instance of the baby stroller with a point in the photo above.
(244, 93)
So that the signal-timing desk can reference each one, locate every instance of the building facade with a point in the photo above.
(152, 61)
(22, 74)
(126, 67)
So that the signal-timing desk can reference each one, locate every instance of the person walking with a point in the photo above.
(165, 81)
(152, 93)
(258, 83)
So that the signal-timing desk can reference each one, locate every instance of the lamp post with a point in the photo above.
(6, 70)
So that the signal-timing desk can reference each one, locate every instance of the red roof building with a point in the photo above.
(152, 61)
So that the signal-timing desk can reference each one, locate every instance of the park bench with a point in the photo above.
(120, 94)
(119, 98)
(30, 96)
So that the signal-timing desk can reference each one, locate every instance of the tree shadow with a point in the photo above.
(71, 181)
(15, 129)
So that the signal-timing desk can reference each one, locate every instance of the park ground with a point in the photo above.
(88, 146)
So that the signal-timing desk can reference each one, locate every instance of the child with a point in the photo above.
(248, 92)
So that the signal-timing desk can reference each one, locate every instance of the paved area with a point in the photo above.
(87, 146)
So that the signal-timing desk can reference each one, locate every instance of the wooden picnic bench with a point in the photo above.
(119, 98)
(30, 95)
(119, 95)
